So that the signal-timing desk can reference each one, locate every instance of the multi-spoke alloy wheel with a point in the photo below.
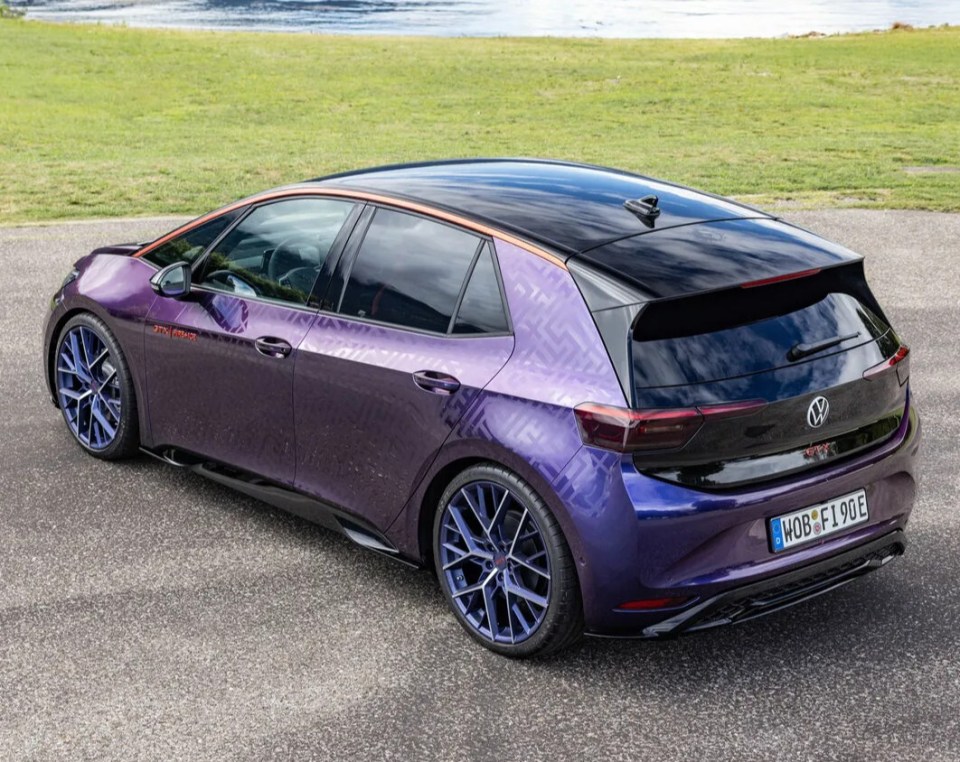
(94, 390)
(88, 387)
(495, 561)
(504, 564)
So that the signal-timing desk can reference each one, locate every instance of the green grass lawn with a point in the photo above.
(100, 121)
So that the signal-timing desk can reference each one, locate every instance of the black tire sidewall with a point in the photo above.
(127, 440)
(563, 623)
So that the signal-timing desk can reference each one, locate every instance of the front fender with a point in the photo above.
(116, 289)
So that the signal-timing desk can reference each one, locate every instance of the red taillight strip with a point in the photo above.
(630, 414)
(899, 356)
(780, 278)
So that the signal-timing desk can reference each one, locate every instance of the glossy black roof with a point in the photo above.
(571, 208)
(715, 255)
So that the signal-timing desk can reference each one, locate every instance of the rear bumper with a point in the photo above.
(751, 601)
(639, 538)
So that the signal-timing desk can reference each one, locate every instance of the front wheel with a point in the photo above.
(94, 389)
(504, 565)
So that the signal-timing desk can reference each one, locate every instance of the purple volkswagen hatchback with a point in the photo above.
(592, 401)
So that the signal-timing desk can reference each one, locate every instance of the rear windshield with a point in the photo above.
(764, 344)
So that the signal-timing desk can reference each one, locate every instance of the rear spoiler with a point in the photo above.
(751, 302)
(706, 256)
(623, 312)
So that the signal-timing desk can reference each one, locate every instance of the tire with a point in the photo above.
(515, 609)
(94, 389)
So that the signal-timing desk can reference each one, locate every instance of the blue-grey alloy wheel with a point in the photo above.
(495, 562)
(88, 387)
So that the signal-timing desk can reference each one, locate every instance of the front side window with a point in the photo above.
(278, 250)
(409, 272)
(190, 245)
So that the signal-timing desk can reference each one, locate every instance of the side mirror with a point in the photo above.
(173, 280)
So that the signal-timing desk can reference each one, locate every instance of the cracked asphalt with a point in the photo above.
(150, 614)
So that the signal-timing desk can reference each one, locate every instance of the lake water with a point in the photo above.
(561, 18)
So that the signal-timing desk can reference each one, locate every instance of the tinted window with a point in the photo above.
(189, 246)
(758, 346)
(277, 250)
(481, 310)
(409, 271)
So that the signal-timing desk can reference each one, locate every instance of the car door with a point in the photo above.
(416, 327)
(220, 361)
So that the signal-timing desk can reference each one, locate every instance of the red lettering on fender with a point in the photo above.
(176, 333)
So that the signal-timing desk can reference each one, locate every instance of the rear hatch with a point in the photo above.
(785, 373)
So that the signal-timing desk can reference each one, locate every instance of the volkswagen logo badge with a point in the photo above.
(817, 412)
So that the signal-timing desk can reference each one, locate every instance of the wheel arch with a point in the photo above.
(413, 529)
(430, 503)
(54, 331)
(55, 328)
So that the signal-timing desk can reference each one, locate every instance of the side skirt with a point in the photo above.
(315, 511)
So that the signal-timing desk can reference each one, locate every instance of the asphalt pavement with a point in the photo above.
(147, 613)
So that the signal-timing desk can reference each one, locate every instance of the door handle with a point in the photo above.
(436, 382)
(271, 347)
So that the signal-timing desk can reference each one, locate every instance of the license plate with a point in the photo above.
(818, 520)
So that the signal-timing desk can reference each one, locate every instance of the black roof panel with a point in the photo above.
(570, 207)
(715, 255)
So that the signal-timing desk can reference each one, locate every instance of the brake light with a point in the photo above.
(779, 278)
(628, 430)
(891, 362)
(652, 604)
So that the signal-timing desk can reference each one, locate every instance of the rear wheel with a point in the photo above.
(95, 390)
(504, 565)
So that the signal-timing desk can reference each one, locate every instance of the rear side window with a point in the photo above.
(481, 310)
(409, 272)
(190, 245)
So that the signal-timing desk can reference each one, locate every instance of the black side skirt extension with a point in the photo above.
(315, 511)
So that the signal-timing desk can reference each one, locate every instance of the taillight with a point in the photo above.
(624, 430)
(903, 370)
(628, 430)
